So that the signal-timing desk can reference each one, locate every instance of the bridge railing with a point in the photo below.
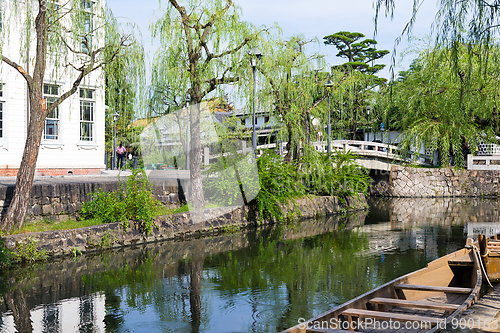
(362, 148)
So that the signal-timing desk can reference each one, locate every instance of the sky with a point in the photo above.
(314, 18)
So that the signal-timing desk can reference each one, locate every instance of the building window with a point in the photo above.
(51, 129)
(87, 103)
(1, 120)
(1, 111)
(88, 23)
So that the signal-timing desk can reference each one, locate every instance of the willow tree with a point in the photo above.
(292, 86)
(446, 108)
(125, 83)
(67, 40)
(202, 49)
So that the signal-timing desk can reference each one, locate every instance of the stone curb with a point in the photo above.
(171, 227)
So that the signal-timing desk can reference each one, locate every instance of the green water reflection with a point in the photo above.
(258, 281)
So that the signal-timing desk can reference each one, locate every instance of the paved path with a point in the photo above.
(484, 316)
(154, 175)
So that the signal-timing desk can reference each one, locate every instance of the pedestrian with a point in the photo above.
(120, 156)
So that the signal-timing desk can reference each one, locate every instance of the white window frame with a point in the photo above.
(87, 8)
(3, 127)
(87, 119)
(50, 97)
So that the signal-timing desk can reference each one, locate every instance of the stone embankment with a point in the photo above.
(436, 182)
(58, 198)
(171, 227)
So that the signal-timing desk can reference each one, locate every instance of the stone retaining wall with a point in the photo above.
(59, 198)
(437, 182)
(176, 226)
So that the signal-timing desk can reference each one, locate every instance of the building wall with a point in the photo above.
(66, 155)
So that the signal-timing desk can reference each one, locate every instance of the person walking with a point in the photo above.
(120, 156)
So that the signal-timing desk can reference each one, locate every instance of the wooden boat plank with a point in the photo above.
(414, 304)
(465, 260)
(457, 290)
(389, 316)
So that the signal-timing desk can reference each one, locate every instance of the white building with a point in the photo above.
(73, 138)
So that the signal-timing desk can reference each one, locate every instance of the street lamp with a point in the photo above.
(368, 110)
(255, 55)
(188, 100)
(328, 85)
(116, 115)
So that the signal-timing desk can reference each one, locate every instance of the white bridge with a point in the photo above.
(372, 155)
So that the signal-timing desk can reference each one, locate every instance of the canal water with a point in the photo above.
(261, 280)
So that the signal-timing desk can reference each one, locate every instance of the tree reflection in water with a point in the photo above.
(258, 281)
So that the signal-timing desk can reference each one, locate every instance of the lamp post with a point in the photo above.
(255, 55)
(328, 85)
(188, 100)
(116, 115)
(368, 110)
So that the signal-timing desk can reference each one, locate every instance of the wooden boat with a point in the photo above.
(490, 253)
(426, 300)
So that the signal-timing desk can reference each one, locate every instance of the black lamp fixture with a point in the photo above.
(255, 55)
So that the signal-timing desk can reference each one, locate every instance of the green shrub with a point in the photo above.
(107, 207)
(279, 183)
(232, 180)
(26, 252)
(5, 256)
(135, 202)
(336, 174)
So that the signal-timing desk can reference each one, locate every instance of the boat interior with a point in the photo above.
(417, 302)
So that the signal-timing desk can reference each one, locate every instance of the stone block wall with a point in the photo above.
(59, 198)
(171, 227)
(437, 182)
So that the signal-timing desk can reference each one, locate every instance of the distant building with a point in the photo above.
(266, 125)
(73, 137)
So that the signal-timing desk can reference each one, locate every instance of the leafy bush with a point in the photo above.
(26, 252)
(136, 202)
(315, 174)
(336, 174)
(232, 180)
(279, 183)
(107, 207)
(5, 256)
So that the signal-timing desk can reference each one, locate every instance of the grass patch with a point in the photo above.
(167, 211)
(49, 225)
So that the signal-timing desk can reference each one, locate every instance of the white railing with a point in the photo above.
(486, 149)
(483, 162)
(362, 148)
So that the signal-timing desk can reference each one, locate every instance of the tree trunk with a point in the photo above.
(24, 182)
(197, 196)
(16, 302)
(195, 293)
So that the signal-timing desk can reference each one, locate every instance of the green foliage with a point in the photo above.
(316, 174)
(5, 256)
(139, 200)
(335, 175)
(107, 207)
(26, 252)
(231, 178)
(360, 54)
(136, 202)
(279, 184)
(355, 80)
(293, 84)
(446, 108)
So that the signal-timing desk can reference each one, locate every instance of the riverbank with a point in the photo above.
(178, 226)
